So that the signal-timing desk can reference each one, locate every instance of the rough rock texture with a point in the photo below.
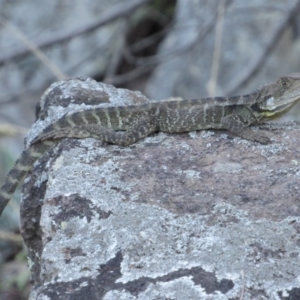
(185, 216)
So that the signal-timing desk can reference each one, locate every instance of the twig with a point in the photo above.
(255, 65)
(205, 30)
(7, 130)
(212, 83)
(174, 51)
(33, 48)
(146, 64)
(10, 236)
(117, 52)
(149, 40)
(117, 11)
(11, 98)
(255, 9)
(136, 73)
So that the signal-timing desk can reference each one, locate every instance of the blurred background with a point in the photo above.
(163, 48)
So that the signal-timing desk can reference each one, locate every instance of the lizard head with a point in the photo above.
(278, 98)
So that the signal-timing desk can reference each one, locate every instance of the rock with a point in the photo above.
(181, 216)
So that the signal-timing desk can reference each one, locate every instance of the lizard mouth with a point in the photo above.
(277, 111)
(282, 104)
(281, 108)
(274, 109)
(286, 105)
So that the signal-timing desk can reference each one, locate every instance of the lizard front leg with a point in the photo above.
(234, 124)
(143, 126)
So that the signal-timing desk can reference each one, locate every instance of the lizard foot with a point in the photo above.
(254, 136)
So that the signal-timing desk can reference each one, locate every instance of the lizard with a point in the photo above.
(125, 125)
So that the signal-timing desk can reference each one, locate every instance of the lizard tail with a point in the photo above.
(20, 169)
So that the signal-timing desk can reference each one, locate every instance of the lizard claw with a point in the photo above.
(262, 139)
(254, 136)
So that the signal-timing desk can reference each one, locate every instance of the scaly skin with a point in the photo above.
(21, 167)
(127, 124)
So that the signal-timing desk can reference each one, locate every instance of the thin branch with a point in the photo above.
(11, 237)
(129, 76)
(149, 40)
(33, 48)
(114, 13)
(212, 83)
(205, 30)
(8, 130)
(117, 51)
(175, 51)
(260, 8)
(147, 63)
(256, 64)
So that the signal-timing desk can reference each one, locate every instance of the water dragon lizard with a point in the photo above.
(127, 124)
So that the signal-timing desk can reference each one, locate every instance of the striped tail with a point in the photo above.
(20, 169)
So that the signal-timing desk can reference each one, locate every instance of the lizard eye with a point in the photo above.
(285, 83)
